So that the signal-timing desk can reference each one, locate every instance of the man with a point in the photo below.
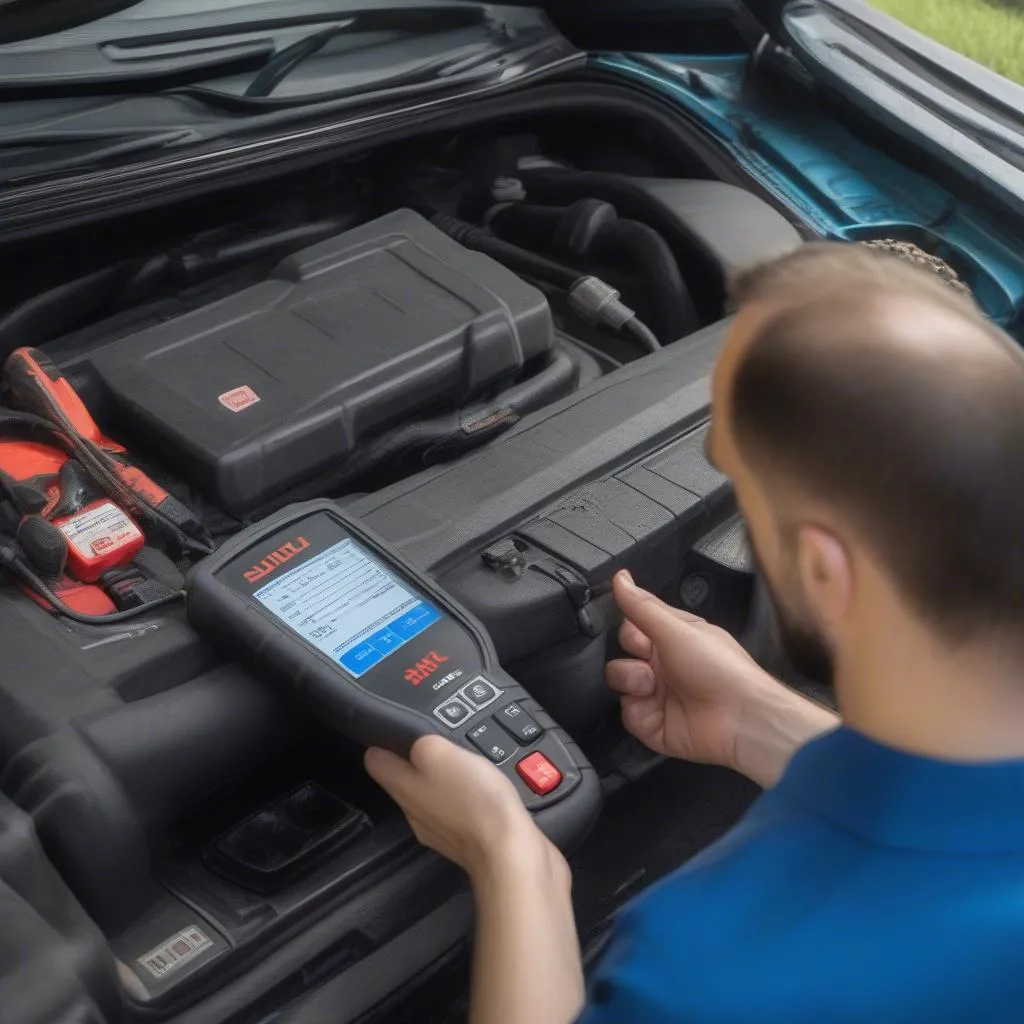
(872, 422)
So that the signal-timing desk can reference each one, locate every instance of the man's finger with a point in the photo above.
(642, 716)
(633, 678)
(431, 753)
(391, 772)
(634, 641)
(650, 615)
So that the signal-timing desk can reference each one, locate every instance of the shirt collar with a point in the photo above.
(901, 800)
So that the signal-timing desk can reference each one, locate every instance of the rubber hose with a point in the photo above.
(555, 380)
(96, 464)
(26, 426)
(660, 293)
(20, 569)
(200, 263)
(522, 261)
(558, 378)
(634, 202)
(197, 262)
(57, 311)
(590, 236)
(641, 333)
(529, 225)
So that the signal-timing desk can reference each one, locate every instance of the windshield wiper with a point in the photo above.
(180, 53)
(282, 64)
(369, 76)
(473, 63)
(285, 61)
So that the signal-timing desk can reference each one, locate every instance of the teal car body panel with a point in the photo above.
(836, 183)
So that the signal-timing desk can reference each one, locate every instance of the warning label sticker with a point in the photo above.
(177, 951)
(238, 399)
(100, 529)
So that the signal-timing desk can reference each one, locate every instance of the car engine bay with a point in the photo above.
(493, 347)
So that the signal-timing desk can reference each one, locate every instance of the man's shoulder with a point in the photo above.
(772, 916)
(693, 943)
(776, 845)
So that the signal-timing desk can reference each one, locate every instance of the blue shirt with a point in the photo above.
(868, 885)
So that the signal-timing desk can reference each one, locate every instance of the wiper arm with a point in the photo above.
(414, 21)
(473, 64)
(281, 64)
(87, 147)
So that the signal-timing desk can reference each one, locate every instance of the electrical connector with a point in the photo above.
(599, 303)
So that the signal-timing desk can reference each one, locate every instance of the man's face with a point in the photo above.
(772, 519)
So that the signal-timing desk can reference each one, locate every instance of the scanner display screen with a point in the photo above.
(346, 604)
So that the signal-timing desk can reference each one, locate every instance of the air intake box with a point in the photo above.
(277, 383)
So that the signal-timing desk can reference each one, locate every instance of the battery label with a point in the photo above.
(239, 398)
(347, 605)
(99, 530)
(177, 951)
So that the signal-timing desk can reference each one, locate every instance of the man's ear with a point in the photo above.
(826, 572)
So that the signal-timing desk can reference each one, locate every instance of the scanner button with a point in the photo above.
(452, 712)
(516, 722)
(479, 692)
(539, 773)
(491, 742)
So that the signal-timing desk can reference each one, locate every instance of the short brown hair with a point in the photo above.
(888, 395)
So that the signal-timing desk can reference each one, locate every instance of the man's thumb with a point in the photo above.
(648, 613)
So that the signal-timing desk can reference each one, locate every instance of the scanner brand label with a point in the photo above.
(285, 553)
(425, 667)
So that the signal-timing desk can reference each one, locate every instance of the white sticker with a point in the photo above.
(99, 529)
(176, 952)
(238, 399)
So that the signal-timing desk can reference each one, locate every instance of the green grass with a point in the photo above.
(990, 33)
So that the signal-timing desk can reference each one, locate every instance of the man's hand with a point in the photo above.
(526, 956)
(687, 683)
(691, 691)
(457, 803)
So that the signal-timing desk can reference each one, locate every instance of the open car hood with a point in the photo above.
(959, 113)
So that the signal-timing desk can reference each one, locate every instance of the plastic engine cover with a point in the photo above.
(283, 380)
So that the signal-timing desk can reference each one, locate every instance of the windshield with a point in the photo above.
(159, 77)
(27, 19)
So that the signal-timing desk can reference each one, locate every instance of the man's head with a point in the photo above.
(872, 421)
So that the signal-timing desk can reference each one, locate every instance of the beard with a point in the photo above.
(804, 645)
(805, 648)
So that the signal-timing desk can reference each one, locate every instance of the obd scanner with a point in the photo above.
(314, 601)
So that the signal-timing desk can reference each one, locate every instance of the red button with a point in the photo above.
(539, 773)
